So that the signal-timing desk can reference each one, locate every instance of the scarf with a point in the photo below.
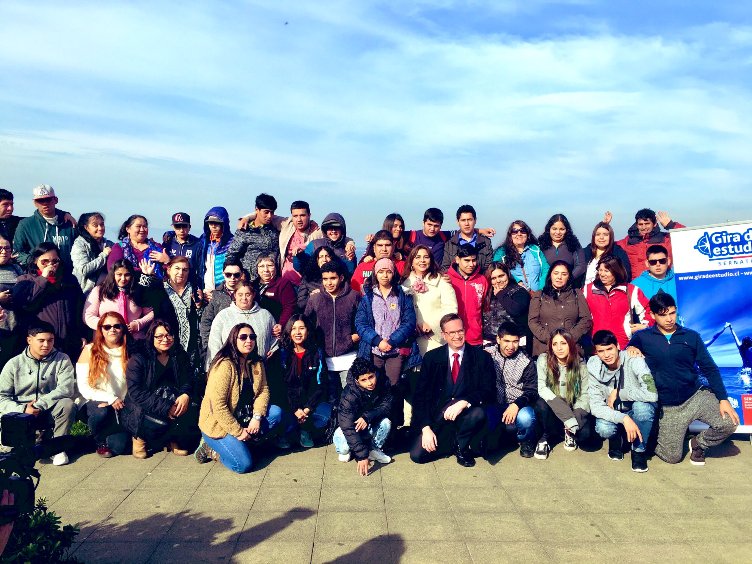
(52, 279)
(122, 304)
(130, 254)
(182, 307)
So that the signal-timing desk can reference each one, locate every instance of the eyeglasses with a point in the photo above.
(5, 249)
(653, 262)
(115, 326)
(163, 337)
(246, 336)
(518, 231)
(46, 262)
(455, 333)
(232, 275)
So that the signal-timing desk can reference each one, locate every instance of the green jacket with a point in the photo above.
(34, 230)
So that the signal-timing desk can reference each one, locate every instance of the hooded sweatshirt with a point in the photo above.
(637, 385)
(650, 285)
(258, 318)
(470, 293)
(337, 246)
(211, 254)
(334, 318)
(35, 229)
(44, 381)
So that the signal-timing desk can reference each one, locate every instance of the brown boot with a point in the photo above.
(139, 448)
(176, 450)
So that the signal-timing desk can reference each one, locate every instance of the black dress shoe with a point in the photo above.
(465, 458)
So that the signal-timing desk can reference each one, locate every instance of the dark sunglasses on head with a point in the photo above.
(232, 275)
(246, 336)
(653, 262)
(517, 231)
(116, 326)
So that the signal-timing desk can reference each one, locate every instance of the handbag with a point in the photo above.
(152, 426)
(244, 409)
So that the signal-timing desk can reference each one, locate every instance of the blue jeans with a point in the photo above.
(377, 437)
(318, 419)
(236, 454)
(642, 413)
(104, 425)
(523, 426)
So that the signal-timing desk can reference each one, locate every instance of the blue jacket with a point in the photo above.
(220, 250)
(536, 267)
(403, 336)
(650, 285)
(674, 364)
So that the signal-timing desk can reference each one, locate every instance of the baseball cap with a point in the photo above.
(181, 218)
(42, 191)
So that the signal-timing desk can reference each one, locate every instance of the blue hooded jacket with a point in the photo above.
(219, 249)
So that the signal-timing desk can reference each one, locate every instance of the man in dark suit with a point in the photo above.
(455, 382)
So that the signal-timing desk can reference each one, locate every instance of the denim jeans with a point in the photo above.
(317, 419)
(103, 424)
(523, 426)
(236, 454)
(378, 437)
(642, 413)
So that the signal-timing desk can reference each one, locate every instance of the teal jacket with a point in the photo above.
(650, 285)
(34, 229)
(536, 267)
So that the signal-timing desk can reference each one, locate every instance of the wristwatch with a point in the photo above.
(257, 417)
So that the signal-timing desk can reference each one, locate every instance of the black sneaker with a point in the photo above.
(542, 450)
(527, 449)
(614, 448)
(696, 452)
(570, 443)
(639, 462)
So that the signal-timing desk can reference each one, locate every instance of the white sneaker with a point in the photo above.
(570, 443)
(379, 456)
(542, 450)
(344, 457)
(60, 459)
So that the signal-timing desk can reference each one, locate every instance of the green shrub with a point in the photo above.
(38, 538)
(80, 429)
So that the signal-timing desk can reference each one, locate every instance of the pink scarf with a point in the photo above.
(122, 304)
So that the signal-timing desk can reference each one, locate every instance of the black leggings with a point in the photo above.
(553, 427)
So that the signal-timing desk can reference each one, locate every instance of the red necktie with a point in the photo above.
(455, 367)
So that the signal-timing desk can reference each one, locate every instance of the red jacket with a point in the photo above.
(470, 293)
(365, 269)
(636, 246)
(613, 310)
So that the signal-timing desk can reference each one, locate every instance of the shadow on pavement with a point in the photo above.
(386, 549)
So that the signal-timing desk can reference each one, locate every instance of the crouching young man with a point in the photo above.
(516, 390)
(40, 381)
(622, 399)
(363, 416)
(674, 354)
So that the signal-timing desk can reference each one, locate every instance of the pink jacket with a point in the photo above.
(95, 307)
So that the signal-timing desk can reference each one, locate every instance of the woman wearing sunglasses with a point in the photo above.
(48, 293)
(158, 410)
(521, 253)
(235, 411)
(100, 375)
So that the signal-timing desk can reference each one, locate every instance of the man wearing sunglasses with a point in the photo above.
(48, 224)
(222, 297)
(659, 276)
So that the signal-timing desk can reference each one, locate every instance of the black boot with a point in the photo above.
(464, 457)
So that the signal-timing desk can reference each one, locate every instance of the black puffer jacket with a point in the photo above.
(140, 376)
(309, 388)
(357, 402)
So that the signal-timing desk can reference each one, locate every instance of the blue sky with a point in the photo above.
(522, 108)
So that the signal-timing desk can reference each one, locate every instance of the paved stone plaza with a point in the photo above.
(308, 507)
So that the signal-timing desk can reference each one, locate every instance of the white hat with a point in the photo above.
(43, 191)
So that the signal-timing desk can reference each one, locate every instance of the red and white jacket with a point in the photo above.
(470, 293)
(614, 310)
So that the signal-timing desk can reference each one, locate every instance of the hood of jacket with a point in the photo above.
(334, 218)
(381, 384)
(254, 309)
(222, 214)
(455, 274)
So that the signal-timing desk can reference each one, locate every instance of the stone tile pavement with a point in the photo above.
(308, 507)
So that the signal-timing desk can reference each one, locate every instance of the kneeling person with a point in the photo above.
(455, 384)
(363, 416)
(516, 389)
(40, 381)
(622, 398)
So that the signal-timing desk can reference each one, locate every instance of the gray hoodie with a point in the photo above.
(638, 385)
(45, 381)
